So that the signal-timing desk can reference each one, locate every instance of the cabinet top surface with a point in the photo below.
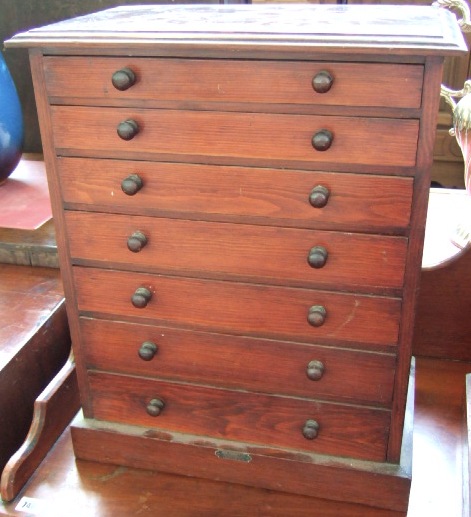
(420, 30)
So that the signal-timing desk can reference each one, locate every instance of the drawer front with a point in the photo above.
(243, 309)
(351, 431)
(236, 138)
(265, 196)
(238, 362)
(286, 256)
(218, 81)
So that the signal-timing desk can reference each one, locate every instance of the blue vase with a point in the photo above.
(11, 123)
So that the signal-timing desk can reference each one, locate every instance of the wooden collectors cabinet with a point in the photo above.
(240, 196)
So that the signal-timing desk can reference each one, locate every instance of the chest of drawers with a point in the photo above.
(240, 196)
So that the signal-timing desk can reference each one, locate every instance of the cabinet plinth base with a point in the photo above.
(380, 485)
(373, 484)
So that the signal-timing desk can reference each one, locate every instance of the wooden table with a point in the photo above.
(21, 242)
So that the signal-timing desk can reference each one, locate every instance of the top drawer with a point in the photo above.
(87, 80)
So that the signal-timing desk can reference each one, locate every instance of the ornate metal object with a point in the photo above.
(462, 7)
(461, 119)
(461, 113)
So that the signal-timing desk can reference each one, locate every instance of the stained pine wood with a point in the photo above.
(248, 309)
(106, 489)
(382, 488)
(185, 81)
(249, 30)
(380, 141)
(274, 366)
(385, 488)
(269, 421)
(355, 262)
(379, 485)
(368, 203)
(236, 138)
(416, 242)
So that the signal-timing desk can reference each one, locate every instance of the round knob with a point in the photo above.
(322, 140)
(317, 257)
(319, 196)
(141, 297)
(310, 429)
(123, 79)
(317, 315)
(315, 370)
(147, 350)
(322, 82)
(136, 242)
(155, 407)
(132, 184)
(128, 129)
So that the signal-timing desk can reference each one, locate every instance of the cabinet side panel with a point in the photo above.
(430, 103)
(46, 128)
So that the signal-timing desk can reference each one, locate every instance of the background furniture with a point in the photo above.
(34, 345)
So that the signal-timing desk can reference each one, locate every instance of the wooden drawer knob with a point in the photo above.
(310, 429)
(147, 351)
(315, 370)
(319, 196)
(322, 82)
(317, 315)
(123, 79)
(141, 297)
(322, 140)
(132, 184)
(317, 257)
(127, 129)
(136, 242)
(155, 407)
